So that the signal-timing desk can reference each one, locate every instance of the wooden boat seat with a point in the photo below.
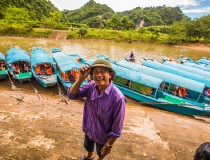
(173, 99)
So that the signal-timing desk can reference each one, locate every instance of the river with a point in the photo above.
(114, 50)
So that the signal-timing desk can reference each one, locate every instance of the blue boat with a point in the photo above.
(67, 68)
(182, 73)
(3, 67)
(18, 63)
(187, 68)
(204, 61)
(43, 67)
(150, 90)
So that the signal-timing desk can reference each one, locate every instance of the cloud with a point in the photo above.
(198, 10)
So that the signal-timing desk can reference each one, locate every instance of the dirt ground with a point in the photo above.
(41, 126)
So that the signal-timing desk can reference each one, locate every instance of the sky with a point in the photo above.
(191, 8)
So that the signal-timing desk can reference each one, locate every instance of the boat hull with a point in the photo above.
(162, 104)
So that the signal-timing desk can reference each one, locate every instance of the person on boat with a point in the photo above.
(104, 108)
(65, 76)
(2, 67)
(71, 78)
(49, 69)
(175, 90)
(206, 92)
(203, 152)
(17, 69)
(132, 58)
(26, 67)
(43, 69)
(182, 92)
(127, 83)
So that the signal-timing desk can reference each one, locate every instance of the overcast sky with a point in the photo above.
(191, 8)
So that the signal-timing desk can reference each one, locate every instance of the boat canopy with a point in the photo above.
(187, 68)
(199, 66)
(203, 61)
(167, 77)
(16, 54)
(2, 57)
(65, 62)
(39, 56)
(137, 77)
(183, 73)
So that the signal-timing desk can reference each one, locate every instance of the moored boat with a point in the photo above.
(43, 67)
(152, 90)
(67, 68)
(18, 63)
(179, 72)
(3, 67)
(187, 68)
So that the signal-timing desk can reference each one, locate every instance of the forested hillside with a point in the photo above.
(37, 8)
(93, 14)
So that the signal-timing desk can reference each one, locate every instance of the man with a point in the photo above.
(104, 108)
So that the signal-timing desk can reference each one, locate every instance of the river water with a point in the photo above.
(114, 50)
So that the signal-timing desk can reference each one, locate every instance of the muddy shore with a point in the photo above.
(43, 127)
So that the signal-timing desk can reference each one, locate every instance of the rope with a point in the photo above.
(60, 93)
(12, 84)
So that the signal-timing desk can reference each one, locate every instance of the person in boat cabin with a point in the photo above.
(2, 66)
(132, 58)
(182, 92)
(206, 91)
(43, 69)
(26, 67)
(203, 152)
(175, 90)
(17, 69)
(104, 108)
(49, 69)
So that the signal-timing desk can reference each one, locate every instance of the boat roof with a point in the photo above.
(203, 61)
(137, 77)
(183, 73)
(167, 77)
(199, 66)
(187, 68)
(65, 62)
(16, 54)
(39, 56)
(2, 57)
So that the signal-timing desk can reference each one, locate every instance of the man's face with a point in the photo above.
(101, 76)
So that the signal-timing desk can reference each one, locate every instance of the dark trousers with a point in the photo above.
(89, 146)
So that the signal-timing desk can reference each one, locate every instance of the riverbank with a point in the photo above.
(44, 127)
(197, 46)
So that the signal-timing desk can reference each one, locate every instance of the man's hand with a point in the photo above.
(84, 72)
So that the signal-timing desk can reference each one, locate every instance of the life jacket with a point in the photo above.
(75, 73)
(49, 70)
(65, 76)
(38, 70)
(182, 92)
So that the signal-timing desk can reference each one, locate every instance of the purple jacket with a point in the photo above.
(104, 114)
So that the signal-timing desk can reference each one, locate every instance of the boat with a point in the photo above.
(43, 67)
(187, 68)
(67, 68)
(3, 67)
(151, 90)
(182, 73)
(18, 63)
(204, 61)
(188, 62)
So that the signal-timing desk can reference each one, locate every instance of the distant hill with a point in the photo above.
(155, 16)
(92, 11)
(89, 13)
(37, 8)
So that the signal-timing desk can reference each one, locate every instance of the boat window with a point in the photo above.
(141, 88)
(121, 81)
